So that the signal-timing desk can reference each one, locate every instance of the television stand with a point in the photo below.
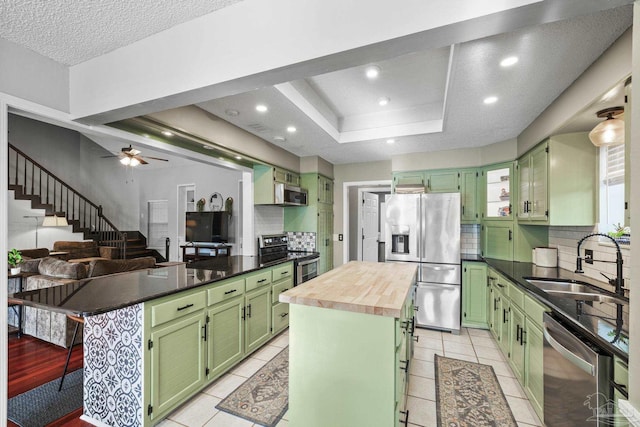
(200, 251)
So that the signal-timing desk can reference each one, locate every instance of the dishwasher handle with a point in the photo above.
(568, 354)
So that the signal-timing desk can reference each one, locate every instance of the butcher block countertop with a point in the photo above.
(361, 287)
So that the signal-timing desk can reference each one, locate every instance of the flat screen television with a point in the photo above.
(207, 227)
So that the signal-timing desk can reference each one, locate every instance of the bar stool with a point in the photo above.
(79, 321)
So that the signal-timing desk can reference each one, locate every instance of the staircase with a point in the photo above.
(31, 181)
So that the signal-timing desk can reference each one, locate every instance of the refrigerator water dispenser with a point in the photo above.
(400, 239)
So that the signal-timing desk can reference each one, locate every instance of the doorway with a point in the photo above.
(364, 218)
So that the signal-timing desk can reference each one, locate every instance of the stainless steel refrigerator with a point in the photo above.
(425, 229)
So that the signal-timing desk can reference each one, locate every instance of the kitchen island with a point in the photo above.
(155, 337)
(350, 336)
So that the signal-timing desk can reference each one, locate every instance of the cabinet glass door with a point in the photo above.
(498, 193)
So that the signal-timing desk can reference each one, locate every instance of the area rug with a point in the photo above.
(44, 404)
(263, 398)
(469, 395)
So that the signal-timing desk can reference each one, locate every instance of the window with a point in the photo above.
(611, 187)
(158, 214)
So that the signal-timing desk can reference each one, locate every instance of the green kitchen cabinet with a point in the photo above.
(443, 181)
(177, 362)
(534, 381)
(517, 342)
(558, 183)
(505, 324)
(474, 295)
(348, 368)
(497, 240)
(469, 196)
(264, 178)
(495, 312)
(257, 318)
(317, 217)
(225, 345)
(282, 281)
(498, 188)
(416, 180)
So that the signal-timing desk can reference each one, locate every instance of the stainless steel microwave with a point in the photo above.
(288, 195)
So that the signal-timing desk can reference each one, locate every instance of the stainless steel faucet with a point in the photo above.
(618, 282)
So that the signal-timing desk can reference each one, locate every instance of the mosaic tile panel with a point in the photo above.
(301, 241)
(113, 371)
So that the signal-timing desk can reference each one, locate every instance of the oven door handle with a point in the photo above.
(568, 354)
(311, 261)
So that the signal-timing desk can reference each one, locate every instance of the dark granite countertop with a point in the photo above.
(471, 257)
(102, 294)
(597, 321)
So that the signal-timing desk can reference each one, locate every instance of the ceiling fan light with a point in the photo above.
(134, 162)
(609, 132)
(125, 161)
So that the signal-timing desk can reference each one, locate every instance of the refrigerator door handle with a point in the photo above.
(438, 268)
(568, 354)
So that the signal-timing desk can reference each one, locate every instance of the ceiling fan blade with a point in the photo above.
(141, 160)
(111, 156)
(156, 158)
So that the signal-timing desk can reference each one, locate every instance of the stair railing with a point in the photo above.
(59, 198)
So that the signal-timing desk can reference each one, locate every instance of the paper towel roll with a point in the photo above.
(545, 257)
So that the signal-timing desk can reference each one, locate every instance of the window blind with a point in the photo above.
(615, 165)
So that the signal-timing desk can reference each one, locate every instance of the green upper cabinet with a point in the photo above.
(469, 192)
(325, 190)
(497, 240)
(558, 182)
(415, 181)
(264, 178)
(445, 181)
(498, 194)
(474, 294)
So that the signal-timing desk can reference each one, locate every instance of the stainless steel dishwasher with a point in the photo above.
(576, 379)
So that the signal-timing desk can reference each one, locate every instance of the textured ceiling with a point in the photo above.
(73, 31)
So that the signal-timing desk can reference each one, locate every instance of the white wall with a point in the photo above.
(33, 77)
(162, 184)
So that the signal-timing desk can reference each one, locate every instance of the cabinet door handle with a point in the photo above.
(249, 311)
(500, 285)
(504, 316)
(510, 235)
(284, 315)
(184, 307)
(462, 210)
(204, 332)
(406, 419)
(284, 290)
(231, 291)
(262, 280)
(284, 272)
(518, 331)
(243, 313)
(523, 335)
(406, 365)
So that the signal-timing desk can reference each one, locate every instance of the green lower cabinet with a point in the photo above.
(177, 362)
(534, 373)
(495, 312)
(280, 317)
(505, 325)
(257, 318)
(224, 346)
(517, 342)
(474, 295)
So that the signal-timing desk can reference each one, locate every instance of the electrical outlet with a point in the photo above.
(340, 237)
(588, 256)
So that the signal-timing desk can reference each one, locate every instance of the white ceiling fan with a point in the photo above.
(129, 156)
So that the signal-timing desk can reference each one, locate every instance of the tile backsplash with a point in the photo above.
(470, 239)
(301, 241)
(566, 240)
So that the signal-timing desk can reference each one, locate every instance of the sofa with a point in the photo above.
(85, 251)
(55, 327)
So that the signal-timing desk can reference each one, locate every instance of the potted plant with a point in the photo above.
(621, 234)
(14, 261)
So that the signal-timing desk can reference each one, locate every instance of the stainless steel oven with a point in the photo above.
(306, 270)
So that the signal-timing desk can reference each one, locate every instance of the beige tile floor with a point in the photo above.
(474, 345)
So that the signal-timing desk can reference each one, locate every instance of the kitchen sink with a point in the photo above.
(587, 296)
(576, 291)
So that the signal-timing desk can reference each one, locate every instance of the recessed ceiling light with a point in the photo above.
(167, 133)
(261, 108)
(279, 138)
(291, 129)
(390, 141)
(509, 61)
(222, 158)
(372, 72)
(383, 101)
(232, 113)
(490, 100)
(207, 147)
(238, 157)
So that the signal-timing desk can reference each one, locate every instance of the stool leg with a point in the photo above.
(66, 364)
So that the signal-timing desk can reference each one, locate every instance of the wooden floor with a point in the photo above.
(33, 362)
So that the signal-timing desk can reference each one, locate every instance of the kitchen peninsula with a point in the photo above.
(155, 337)
(351, 331)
